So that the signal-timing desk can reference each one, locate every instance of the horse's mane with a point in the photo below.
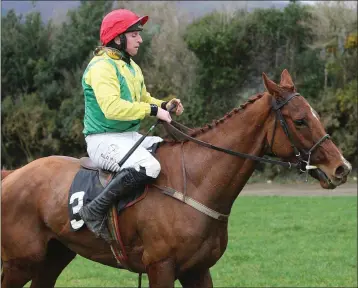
(201, 130)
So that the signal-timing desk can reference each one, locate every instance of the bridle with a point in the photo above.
(304, 164)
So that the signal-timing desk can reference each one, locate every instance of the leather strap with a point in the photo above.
(242, 155)
(193, 203)
(183, 168)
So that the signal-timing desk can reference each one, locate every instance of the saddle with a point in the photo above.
(104, 175)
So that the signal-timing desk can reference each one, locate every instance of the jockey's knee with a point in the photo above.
(152, 168)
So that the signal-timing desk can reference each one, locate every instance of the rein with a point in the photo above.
(234, 153)
(276, 107)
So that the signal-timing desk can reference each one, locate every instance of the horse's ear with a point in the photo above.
(270, 86)
(286, 80)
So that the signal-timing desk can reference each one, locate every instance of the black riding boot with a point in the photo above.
(123, 183)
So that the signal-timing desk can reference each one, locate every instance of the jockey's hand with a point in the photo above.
(178, 106)
(164, 115)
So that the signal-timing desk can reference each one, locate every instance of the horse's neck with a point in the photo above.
(216, 178)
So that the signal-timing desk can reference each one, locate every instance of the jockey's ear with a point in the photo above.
(271, 86)
(117, 40)
(286, 81)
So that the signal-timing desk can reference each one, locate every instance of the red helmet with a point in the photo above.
(117, 22)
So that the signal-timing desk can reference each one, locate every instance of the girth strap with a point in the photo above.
(193, 203)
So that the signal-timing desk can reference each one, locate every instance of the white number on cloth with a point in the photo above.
(76, 224)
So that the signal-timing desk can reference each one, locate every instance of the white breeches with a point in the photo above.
(107, 149)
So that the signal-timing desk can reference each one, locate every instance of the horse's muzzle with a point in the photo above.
(324, 180)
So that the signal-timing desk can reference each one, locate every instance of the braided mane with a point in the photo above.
(201, 130)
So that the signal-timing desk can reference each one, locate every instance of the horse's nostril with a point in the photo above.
(341, 171)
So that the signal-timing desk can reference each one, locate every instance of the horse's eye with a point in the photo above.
(300, 123)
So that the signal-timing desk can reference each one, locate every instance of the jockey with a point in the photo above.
(116, 100)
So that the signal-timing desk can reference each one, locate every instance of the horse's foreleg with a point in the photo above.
(161, 273)
(14, 275)
(197, 279)
(58, 256)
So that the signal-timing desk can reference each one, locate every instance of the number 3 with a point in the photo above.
(76, 224)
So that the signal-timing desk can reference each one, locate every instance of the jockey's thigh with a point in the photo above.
(148, 141)
(107, 149)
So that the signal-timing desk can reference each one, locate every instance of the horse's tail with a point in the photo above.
(5, 173)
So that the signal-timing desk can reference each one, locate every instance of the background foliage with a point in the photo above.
(213, 64)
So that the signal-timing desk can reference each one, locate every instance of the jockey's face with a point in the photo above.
(133, 42)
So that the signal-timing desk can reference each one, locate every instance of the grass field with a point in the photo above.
(273, 242)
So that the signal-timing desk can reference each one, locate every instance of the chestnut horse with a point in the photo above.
(163, 237)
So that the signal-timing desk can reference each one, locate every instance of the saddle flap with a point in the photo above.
(87, 163)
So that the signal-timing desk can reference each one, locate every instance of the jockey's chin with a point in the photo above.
(132, 50)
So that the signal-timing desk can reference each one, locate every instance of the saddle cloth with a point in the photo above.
(85, 187)
(90, 182)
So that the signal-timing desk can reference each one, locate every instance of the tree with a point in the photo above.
(27, 130)
(24, 45)
(334, 22)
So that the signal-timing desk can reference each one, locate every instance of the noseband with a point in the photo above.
(303, 164)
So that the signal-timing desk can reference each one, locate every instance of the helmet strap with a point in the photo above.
(123, 40)
(114, 49)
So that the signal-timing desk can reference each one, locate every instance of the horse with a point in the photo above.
(163, 237)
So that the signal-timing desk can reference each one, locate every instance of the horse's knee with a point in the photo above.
(161, 273)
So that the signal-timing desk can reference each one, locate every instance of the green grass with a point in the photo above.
(273, 242)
